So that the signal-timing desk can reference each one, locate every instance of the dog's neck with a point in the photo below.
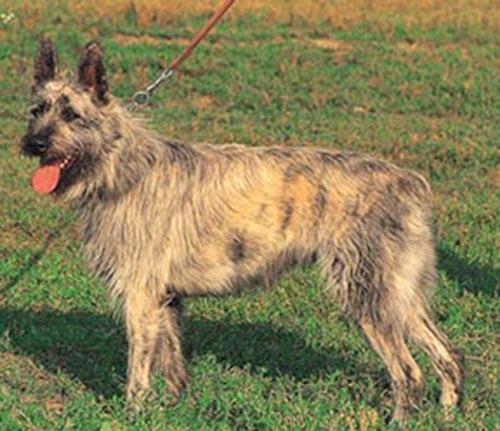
(131, 153)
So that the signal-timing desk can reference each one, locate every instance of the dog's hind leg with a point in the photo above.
(447, 361)
(406, 376)
(413, 276)
(356, 276)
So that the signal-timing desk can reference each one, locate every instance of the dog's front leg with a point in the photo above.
(154, 338)
(168, 359)
(142, 315)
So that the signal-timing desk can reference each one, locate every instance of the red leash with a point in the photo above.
(142, 97)
(202, 33)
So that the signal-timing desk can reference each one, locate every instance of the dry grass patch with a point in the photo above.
(341, 13)
(333, 44)
(203, 102)
(144, 39)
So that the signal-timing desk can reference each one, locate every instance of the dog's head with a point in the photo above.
(70, 121)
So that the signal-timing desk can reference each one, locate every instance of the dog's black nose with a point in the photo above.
(37, 144)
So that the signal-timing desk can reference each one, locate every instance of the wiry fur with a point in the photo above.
(163, 220)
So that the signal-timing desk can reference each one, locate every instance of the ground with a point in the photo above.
(413, 82)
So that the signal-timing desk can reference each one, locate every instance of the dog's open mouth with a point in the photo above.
(47, 177)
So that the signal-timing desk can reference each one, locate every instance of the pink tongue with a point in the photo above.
(46, 178)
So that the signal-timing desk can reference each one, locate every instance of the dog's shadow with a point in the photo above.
(470, 276)
(92, 348)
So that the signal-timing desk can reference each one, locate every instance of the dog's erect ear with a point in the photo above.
(91, 72)
(45, 63)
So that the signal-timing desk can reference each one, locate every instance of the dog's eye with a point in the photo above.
(68, 114)
(39, 109)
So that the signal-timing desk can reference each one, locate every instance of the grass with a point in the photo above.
(424, 96)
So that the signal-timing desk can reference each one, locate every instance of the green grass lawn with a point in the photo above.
(282, 359)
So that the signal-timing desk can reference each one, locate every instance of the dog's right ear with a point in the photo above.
(45, 63)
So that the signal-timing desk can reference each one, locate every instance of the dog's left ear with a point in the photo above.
(91, 72)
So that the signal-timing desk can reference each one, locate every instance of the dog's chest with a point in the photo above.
(122, 240)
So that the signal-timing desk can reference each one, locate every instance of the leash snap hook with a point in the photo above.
(141, 98)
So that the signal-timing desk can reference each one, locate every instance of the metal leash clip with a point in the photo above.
(141, 98)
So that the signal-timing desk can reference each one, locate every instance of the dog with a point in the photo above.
(162, 220)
